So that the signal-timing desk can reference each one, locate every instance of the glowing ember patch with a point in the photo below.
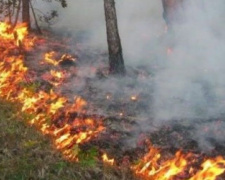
(121, 114)
(134, 98)
(108, 96)
(50, 58)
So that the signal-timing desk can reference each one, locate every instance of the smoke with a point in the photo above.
(189, 82)
(140, 23)
(191, 85)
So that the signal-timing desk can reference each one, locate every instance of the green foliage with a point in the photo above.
(88, 158)
(63, 2)
(32, 87)
(76, 149)
(27, 117)
(26, 154)
(59, 166)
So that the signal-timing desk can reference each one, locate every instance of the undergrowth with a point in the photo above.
(25, 154)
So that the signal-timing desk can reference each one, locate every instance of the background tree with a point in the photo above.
(12, 10)
(173, 11)
(26, 12)
(116, 62)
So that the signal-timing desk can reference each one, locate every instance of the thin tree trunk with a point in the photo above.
(116, 62)
(173, 11)
(26, 12)
(35, 19)
(9, 12)
(13, 7)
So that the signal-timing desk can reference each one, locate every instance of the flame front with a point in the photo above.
(211, 168)
(45, 109)
(154, 167)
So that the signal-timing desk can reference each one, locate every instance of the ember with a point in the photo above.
(134, 98)
(107, 160)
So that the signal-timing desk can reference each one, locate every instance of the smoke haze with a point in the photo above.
(189, 82)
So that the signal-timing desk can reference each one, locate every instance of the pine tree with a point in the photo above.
(26, 12)
(116, 62)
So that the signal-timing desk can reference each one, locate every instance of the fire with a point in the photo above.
(44, 108)
(50, 58)
(107, 160)
(134, 98)
(68, 124)
(153, 166)
(211, 168)
(56, 78)
(17, 34)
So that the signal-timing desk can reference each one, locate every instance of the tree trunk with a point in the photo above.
(35, 19)
(9, 12)
(26, 12)
(17, 14)
(172, 11)
(116, 62)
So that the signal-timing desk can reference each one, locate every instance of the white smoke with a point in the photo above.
(140, 23)
(191, 85)
(190, 81)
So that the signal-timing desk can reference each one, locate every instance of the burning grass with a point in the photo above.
(26, 154)
(181, 166)
(43, 107)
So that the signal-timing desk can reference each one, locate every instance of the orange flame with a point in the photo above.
(43, 107)
(211, 168)
(152, 166)
(107, 160)
(49, 58)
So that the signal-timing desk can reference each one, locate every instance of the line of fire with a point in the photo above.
(81, 98)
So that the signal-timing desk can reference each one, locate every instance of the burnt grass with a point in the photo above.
(125, 137)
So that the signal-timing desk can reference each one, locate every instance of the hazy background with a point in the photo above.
(139, 21)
